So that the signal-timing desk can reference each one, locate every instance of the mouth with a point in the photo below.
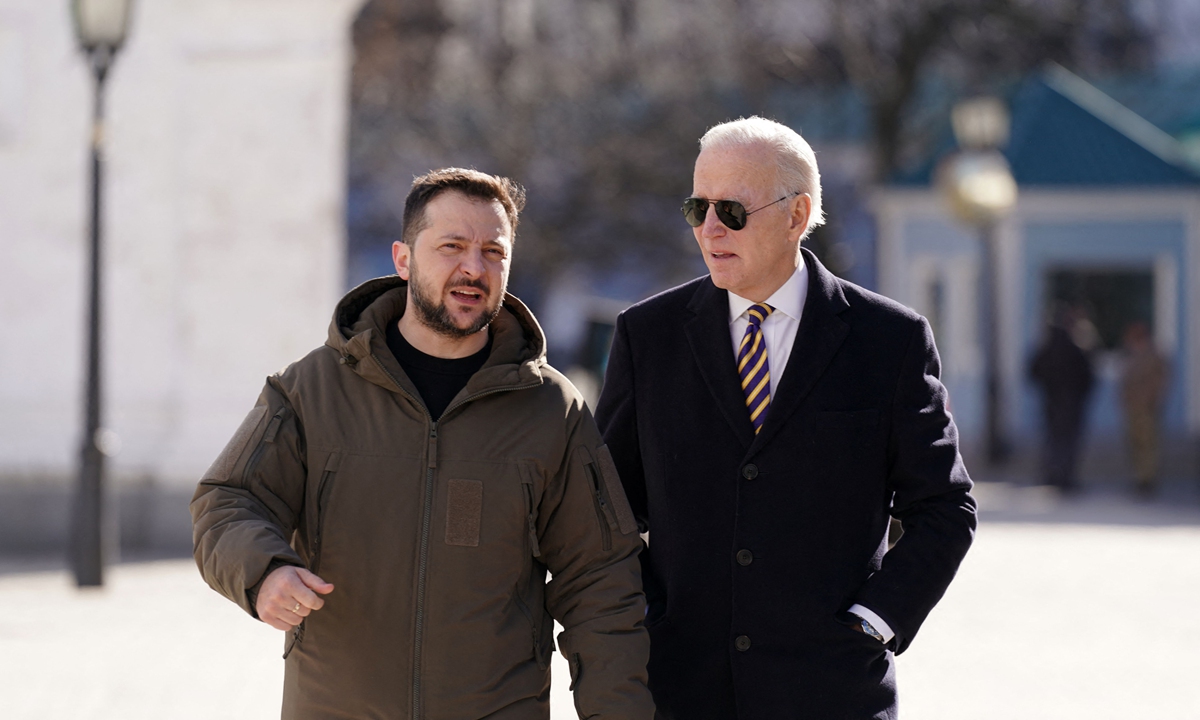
(469, 296)
(721, 255)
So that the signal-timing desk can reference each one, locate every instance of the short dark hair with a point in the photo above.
(472, 183)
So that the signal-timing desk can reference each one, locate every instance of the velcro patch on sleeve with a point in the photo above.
(616, 494)
(464, 511)
(222, 468)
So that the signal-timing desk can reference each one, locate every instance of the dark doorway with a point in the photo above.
(1111, 298)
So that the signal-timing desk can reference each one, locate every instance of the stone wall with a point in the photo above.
(224, 248)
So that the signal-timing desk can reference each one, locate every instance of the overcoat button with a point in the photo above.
(742, 643)
(745, 557)
(750, 471)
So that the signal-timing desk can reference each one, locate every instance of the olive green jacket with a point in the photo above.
(436, 535)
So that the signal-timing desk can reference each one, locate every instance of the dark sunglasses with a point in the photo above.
(731, 213)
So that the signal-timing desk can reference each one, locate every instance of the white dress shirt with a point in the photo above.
(779, 334)
(779, 329)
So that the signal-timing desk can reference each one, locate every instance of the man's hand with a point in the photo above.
(288, 595)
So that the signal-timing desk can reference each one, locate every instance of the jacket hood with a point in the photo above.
(359, 331)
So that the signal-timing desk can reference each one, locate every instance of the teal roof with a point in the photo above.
(1168, 97)
(1067, 132)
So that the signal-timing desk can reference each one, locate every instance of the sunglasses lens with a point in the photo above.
(694, 210)
(732, 213)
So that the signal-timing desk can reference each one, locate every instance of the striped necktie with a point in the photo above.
(753, 366)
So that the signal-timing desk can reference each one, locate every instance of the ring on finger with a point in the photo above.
(296, 609)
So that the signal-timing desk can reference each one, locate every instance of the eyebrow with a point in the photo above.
(502, 240)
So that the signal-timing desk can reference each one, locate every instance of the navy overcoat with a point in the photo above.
(759, 544)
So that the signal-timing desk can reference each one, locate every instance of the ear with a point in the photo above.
(401, 254)
(801, 207)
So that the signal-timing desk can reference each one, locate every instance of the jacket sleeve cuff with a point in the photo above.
(252, 591)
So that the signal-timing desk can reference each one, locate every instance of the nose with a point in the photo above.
(712, 226)
(472, 263)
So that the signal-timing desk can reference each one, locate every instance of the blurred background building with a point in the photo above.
(260, 152)
(224, 252)
(1107, 223)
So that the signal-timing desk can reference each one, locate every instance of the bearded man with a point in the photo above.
(395, 498)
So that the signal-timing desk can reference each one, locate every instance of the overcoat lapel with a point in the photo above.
(708, 334)
(818, 338)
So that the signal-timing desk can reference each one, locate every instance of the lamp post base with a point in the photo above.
(87, 546)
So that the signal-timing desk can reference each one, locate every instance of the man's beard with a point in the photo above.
(436, 316)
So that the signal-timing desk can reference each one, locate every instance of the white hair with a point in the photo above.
(796, 163)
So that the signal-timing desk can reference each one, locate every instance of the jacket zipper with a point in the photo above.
(534, 550)
(422, 568)
(601, 515)
(535, 631)
(268, 437)
(427, 513)
(314, 566)
(423, 559)
(323, 490)
(531, 520)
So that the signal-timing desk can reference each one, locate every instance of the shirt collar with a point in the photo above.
(788, 299)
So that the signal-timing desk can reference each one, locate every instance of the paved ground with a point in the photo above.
(1082, 610)
(1079, 609)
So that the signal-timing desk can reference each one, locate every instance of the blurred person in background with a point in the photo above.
(1143, 390)
(1063, 373)
(395, 498)
(767, 420)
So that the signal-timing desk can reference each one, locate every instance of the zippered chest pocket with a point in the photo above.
(321, 508)
(268, 438)
(529, 488)
(612, 508)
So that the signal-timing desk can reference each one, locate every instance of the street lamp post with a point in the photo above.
(982, 190)
(100, 26)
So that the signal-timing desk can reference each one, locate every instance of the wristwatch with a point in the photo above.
(869, 629)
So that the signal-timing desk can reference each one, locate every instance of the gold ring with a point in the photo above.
(297, 608)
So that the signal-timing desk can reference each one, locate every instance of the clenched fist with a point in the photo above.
(288, 595)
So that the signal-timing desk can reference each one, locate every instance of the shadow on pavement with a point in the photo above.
(21, 564)
(1009, 501)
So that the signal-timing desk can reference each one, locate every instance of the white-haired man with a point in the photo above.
(767, 420)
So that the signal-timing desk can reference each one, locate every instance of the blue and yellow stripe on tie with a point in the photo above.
(753, 366)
